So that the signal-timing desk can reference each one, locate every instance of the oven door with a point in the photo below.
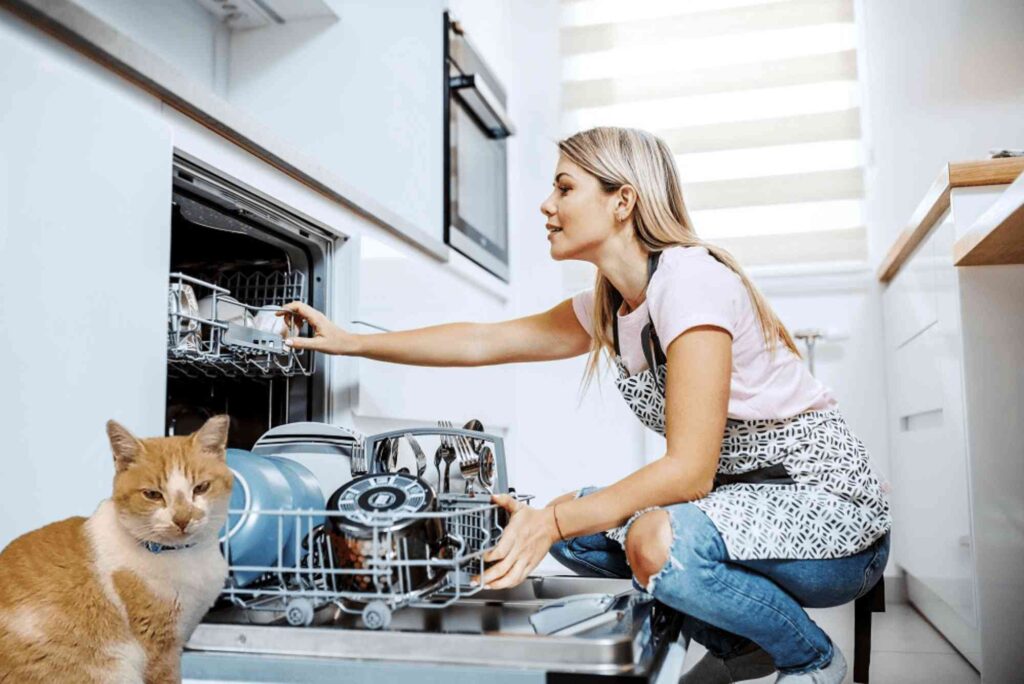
(477, 161)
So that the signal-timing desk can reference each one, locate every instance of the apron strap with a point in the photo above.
(652, 266)
(773, 474)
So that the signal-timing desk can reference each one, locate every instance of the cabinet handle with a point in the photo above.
(923, 420)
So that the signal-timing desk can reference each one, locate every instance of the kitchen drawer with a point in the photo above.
(932, 519)
(916, 380)
(931, 515)
(910, 303)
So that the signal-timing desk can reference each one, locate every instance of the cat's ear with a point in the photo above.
(123, 444)
(213, 436)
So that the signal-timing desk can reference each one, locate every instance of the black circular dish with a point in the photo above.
(375, 523)
(362, 501)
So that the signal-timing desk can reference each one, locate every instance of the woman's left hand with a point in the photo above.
(524, 543)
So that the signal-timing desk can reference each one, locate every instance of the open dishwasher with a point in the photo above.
(393, 611)
(237, 256)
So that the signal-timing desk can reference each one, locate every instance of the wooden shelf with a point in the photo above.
(997, 237)
(936, 202)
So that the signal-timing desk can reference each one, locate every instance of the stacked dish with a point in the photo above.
(275, 499)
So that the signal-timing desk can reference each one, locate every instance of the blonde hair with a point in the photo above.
(630, 156)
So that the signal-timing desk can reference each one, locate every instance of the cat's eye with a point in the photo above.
(152, 495)
(201, 488)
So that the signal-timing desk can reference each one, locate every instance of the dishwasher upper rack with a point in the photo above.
(211, 347)
(296, 591)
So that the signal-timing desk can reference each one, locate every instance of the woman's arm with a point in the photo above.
(696, 405)
(546, 336)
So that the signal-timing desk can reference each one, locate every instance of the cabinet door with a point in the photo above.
(84, 247)
(930, 484)
(949, 355)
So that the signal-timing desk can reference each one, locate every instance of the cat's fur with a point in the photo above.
(82, 600)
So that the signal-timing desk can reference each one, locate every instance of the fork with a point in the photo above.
(447, 453)
(469, 462)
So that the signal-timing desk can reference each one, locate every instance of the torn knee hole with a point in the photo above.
(649, 545)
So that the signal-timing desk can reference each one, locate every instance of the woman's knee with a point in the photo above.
(648, 544)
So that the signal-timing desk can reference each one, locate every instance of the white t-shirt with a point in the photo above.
(691, 288)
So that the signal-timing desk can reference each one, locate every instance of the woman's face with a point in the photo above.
(580, 215)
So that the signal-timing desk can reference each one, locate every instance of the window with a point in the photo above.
(758, 100)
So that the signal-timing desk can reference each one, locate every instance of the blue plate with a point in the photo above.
(306, 496)
(254, 540)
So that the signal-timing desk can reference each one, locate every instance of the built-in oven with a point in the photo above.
(476, 163)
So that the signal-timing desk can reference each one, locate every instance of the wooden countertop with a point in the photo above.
(997, 237)
(936, 202)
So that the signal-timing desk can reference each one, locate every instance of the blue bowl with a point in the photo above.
(306, 496)
(254, 539)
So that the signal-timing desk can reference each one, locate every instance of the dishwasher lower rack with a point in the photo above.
(211, 328)
(391, 573)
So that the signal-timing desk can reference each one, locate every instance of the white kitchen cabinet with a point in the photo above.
(934, 528)
(399, 290)
(85, 186)
(910, 301)
(361, 95)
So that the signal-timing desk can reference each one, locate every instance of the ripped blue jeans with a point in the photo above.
(729, 603)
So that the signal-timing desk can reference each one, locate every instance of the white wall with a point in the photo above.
(943, 82)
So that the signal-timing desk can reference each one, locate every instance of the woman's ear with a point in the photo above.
(625, 202)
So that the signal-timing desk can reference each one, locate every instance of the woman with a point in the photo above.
(764, 500)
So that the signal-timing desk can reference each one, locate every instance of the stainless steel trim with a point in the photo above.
(492, 113)
(608, 655)
(460, 241)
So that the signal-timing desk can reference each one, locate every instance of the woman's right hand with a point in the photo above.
(327, 337)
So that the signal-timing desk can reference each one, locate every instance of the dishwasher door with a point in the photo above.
(488, 637)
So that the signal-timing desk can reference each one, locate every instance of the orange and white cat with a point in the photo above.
(113, 597)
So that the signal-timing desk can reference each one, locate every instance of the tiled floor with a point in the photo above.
(905, 649)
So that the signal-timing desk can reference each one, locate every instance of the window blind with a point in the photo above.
(758, 100)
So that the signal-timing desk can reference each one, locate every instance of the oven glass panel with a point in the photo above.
(480, 169)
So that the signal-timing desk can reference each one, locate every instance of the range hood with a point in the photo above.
(252, 14)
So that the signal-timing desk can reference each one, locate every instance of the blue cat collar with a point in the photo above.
(156, 547)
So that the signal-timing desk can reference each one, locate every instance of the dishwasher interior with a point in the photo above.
(234, 246)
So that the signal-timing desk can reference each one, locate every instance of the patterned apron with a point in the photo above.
(798, 488)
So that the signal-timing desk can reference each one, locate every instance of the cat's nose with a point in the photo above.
(182, 520)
